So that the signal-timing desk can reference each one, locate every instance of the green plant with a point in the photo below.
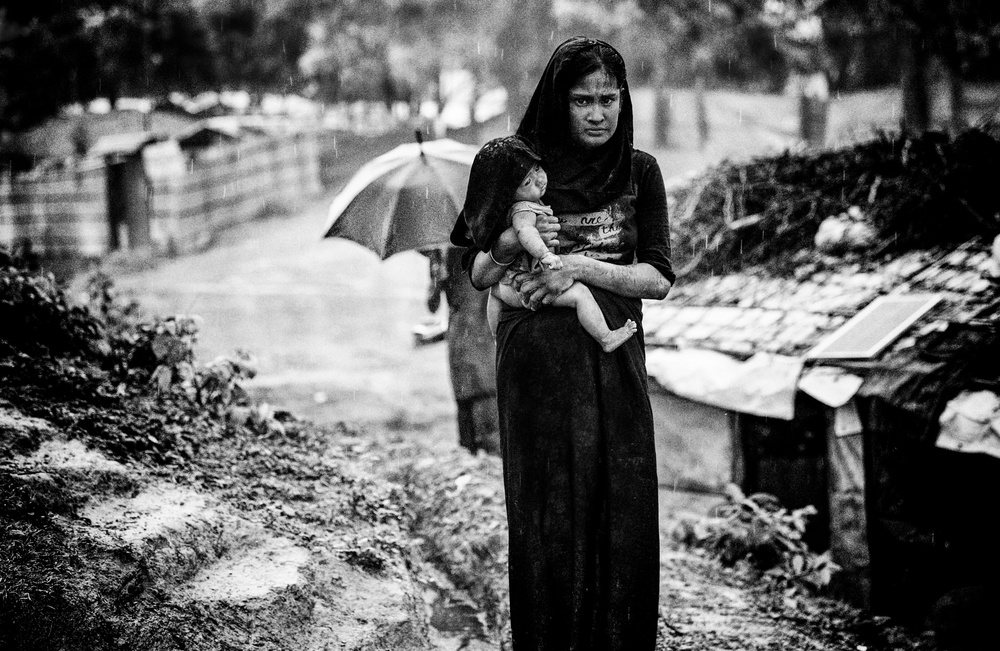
(160, 355)
(217, 384)
(757, 529)
(108, 337)
(36, 318)
(167, 347)
(118, 313)
(160, 352)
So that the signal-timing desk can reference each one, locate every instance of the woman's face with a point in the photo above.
(594, 104)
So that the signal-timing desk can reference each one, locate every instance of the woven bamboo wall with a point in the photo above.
(231, 184)
(64, 212)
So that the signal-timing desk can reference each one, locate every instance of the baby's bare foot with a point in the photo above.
(616, 338)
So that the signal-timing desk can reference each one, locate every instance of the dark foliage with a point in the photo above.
(36, 318)
(102, 373)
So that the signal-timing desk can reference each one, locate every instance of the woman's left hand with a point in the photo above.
(539, 288)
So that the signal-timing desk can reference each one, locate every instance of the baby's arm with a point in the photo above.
(523, 222)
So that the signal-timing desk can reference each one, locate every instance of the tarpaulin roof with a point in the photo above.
(749, 312)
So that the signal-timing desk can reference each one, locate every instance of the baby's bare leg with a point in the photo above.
(589, 313)
(507, 294)
(493, 312)
(500, 293)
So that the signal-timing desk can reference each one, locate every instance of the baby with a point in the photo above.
(522, 215)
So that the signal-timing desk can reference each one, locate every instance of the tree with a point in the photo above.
(147, 48)
(182, 50)
(57, 52)
(524, 46)
(257, 45)
(347, 52)
(45, 61)
(692, 31)
(397, 49)
(54, 53)
(952, 33)
(434, 36)
(798, 28)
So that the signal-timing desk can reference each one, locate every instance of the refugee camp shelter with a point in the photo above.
(128, 188)
(218, 132)
(864, 388)
(157, 191)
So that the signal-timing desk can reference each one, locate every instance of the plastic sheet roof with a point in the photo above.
(751, 312)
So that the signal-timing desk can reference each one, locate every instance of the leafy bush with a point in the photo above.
(159, 354)
(54, 352)
(757, 529)
(36, 318)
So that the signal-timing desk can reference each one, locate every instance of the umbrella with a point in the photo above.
(407, 198)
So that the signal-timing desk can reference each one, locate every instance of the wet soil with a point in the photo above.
(332, 329)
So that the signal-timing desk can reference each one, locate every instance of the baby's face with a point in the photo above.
(533, 186)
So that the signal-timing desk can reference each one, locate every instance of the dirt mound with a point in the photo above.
(910, 191)
(103, 554)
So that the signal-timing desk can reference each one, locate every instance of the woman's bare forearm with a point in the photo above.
(639, 280)
(486, 271)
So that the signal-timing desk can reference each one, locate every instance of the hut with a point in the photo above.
(842, 386)
(128, 187)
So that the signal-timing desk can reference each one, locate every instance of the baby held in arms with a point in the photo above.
(525, 207)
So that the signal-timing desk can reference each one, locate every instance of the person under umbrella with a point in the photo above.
(408, 199)
(471, 350)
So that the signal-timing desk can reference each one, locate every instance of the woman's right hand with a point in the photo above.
(508, 246)
(548, 227)
(537, 288)
(485, 269)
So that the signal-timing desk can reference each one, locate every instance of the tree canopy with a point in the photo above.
(57, 52)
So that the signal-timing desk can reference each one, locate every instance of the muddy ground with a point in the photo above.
(315, 537)
(358, 524)
(331, 327)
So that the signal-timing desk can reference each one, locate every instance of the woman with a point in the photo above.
(575, 423)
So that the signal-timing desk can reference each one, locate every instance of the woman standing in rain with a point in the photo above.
(575, 423)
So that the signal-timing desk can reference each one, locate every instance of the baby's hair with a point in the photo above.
(519, 153)
(497, 171)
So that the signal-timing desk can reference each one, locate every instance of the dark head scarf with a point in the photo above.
(579, 180)
(499, 167)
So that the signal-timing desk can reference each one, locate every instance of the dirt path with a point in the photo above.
(328, 322)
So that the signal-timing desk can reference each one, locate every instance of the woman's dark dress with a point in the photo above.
(576, 427)
(579, 460)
